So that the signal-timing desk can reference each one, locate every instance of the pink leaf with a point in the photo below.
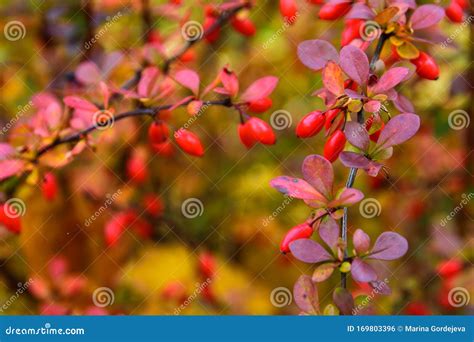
(319, 173)
(357, 135)
(6, 150)
(296, 188)
(329, 232)
(389, 246)
(353, 159)
(80, 104)
(398, 130)
(88, 73)
(189, 79)
(306, 294)
(343, 300)
(259, 89)
(355, 63)
(360, 11)
(148, 82)
(347, 197)
(390, 79)
(332, 78)
(309, 251)
(361, 242)
(229, 81)
(316, 53)
(426, 16)
(10, 167)
(372, 106)
(362, 271)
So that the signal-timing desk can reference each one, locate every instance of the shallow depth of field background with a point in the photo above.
(429, 175)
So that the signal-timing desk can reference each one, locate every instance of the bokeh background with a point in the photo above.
(241, 219)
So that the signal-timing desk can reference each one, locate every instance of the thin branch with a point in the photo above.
(133, 113)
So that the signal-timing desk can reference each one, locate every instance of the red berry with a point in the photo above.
(188, 56)
(301, 231)
(114, 228)
(350, 84)
(261, 131)
(450, 268)
(417, 309)
(214, 35)
(426, 66)
(288, 10)
(331, 116)
(462, 3)
(189, 142)
(10, 218)
(207, 265)
(49, 187)
(334, 145)
(310, 124)
(244, 26)
(153, 205)
(351, 31)
(164, 149)
(261, 105)
(158, 132)
(246, 137)
(454, 12)
(331, 11)
(136, 166)
(142, 228)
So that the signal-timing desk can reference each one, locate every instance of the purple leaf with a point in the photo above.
(306, 294)
(390, 79)
(316, 53)
(189, 79)
(259, 89)
(398, 130)
(319, 173)
(362, 271)
(346, 197)
(389, 246)
(353, 159)
(343, 300)
(403, 104)
(360, 11)
(361, 242)
(309, 251)
(357, 135)
(295, 187)
(88, 73)
(329, 232)
(355, 63)
(332, 78)
(426, 16)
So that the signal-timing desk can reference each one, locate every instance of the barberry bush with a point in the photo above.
(139, 165)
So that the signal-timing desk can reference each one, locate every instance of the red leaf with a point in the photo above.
(189, 79)
(261, 88)
(332, 78)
